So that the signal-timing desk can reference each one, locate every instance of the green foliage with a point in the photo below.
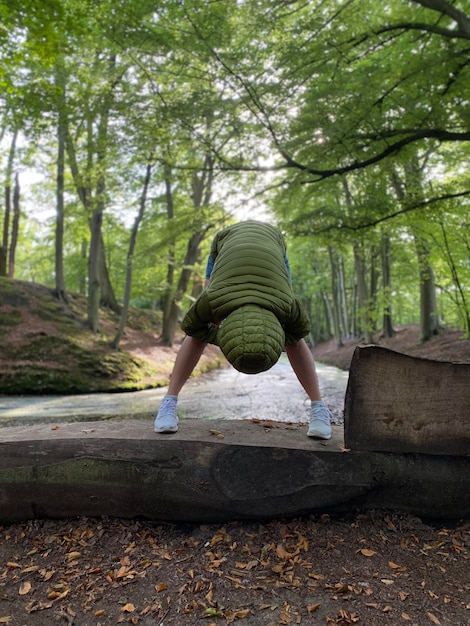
(313, 107)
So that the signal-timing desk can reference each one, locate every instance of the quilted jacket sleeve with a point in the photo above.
(297, 324)
(199, 321)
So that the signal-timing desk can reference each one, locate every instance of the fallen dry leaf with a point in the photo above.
(216, 433)
(366, 552)
(433, 619)
(128, 608)
(25, 588)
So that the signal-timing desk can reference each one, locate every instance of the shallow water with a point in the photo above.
(274, 395)
(222, 393)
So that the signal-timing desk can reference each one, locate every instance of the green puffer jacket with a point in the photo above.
(249, 268)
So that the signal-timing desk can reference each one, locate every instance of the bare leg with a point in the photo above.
(186, 360)
(303, 364)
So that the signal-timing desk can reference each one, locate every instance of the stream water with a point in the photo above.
(275, 394)
(222, 393)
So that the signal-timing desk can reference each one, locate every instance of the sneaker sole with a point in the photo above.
(318, 436)
(164, 431)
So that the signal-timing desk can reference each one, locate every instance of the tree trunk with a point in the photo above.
(192, 254)
(130, 255)
(99, 286)
(343, 300)
(429, 319)
(363, 299)
(83, 274)
(335, 304)
(362, 295)
(107, 295)
(4, 252)
(3, 261)
(59, 225)
(168, 329)
(373, 284)
(93, 303)
(14, 228)
(387, 326)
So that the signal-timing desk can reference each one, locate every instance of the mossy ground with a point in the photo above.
(48, 349)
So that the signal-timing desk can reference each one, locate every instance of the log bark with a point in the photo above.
(399, 403)
(212, 471)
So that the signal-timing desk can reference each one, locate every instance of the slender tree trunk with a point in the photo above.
(93, 304)
(14, 228)
(96, 281)
(6, 231)
(107, 295)
(325, 333)
(387, 325)
(373, 284)
(429, 319)
(322, 326)
(362, 295)
(191, 256)
(168, 328)
(4, 251)
(343, 300)
(59, 225)
(363, 298)
(130, 256)
(82, 278)
(335, 303)
(99, 286)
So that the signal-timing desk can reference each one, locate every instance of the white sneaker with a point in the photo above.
(167, 419)
(320, 426)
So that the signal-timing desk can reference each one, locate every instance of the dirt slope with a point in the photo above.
(46, 347)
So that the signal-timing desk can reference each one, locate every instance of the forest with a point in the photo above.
(133, 130)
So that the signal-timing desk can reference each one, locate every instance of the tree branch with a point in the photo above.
(411, 207)
(446, 8)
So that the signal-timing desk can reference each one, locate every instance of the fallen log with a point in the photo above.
(399, 403)
(214, 470)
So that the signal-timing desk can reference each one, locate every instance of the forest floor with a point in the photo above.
(371, 568)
